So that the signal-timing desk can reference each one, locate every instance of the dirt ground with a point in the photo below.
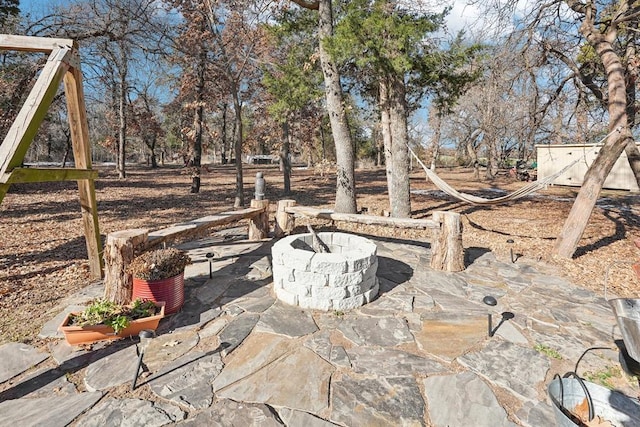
(43, 253)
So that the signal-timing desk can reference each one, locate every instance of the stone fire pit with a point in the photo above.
(342, 279)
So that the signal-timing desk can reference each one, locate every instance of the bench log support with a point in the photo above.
(259, 224)
(447, 253)
(285, 222)
(119, 251)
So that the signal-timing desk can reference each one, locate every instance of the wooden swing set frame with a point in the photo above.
(63, 65)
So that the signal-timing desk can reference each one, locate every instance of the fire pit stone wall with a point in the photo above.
(343, 279)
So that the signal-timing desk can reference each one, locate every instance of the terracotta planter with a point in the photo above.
(170, 290)
(76, 335)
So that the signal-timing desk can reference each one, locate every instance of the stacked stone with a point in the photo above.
(343, 279)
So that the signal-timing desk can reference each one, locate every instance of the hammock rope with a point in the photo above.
(521, 192)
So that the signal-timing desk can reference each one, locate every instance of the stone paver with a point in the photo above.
(117, 412)
(187, 380)
(419, 354)
(380, 401)
(55, 411)
(17, 358)
(468, 398)
(112, 370)
(518, 369)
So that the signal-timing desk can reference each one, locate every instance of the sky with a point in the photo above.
(461, 17)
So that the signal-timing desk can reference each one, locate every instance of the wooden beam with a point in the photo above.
(196, 226)
(32, 44)
(362, 219)
(18, 175)
(34, 110)
(3, 190)
(76, 111)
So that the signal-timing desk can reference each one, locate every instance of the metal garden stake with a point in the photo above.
(145, 338)
(510, 242)
(490, 301)
(209, 256)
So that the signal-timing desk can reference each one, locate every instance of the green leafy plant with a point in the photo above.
(118, 317)
(604, 377)
(548, 351)
(158, 264)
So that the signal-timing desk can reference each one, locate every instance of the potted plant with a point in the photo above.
(106, 320)
(158, 275)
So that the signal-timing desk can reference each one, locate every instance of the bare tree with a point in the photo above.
(114, 35)
(608, 30)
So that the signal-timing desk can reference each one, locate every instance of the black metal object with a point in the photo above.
(511, 242)
(145, 335)
(560, 404)
(210, 256)
(492, 302)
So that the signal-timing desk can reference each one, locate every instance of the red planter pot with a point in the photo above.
(76, 335)
(170, 290)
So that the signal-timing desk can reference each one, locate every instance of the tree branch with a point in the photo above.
(308, 4)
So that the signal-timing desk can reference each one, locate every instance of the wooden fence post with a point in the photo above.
(119, 251)
(259, 224)
(447, 253)
(285, 222)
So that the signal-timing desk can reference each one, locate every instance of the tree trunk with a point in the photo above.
(633, 155)
(237, 144)
(122, 122)
(285, 164)
(492, 157)
(223, 151)
(385, 125)
(578, 218)
(196, 149)
(345, 186)
(436, 140)
(154, 158)
(198, 126)
(401, 206)
(473, 154)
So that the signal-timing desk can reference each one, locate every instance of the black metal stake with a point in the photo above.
(490, 301)
(144, 335)
(510, 242)
(209, 256)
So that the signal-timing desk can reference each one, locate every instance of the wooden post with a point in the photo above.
(259, 224)
(119, 251)
(78, 126)
(285, 222)
(447, 253)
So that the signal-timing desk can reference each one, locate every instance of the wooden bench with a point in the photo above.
(122, 246)
(447, 253)
(198, 226)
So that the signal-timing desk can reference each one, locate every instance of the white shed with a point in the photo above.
(552, 158)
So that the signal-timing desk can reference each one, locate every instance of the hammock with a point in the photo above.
(522, 192)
